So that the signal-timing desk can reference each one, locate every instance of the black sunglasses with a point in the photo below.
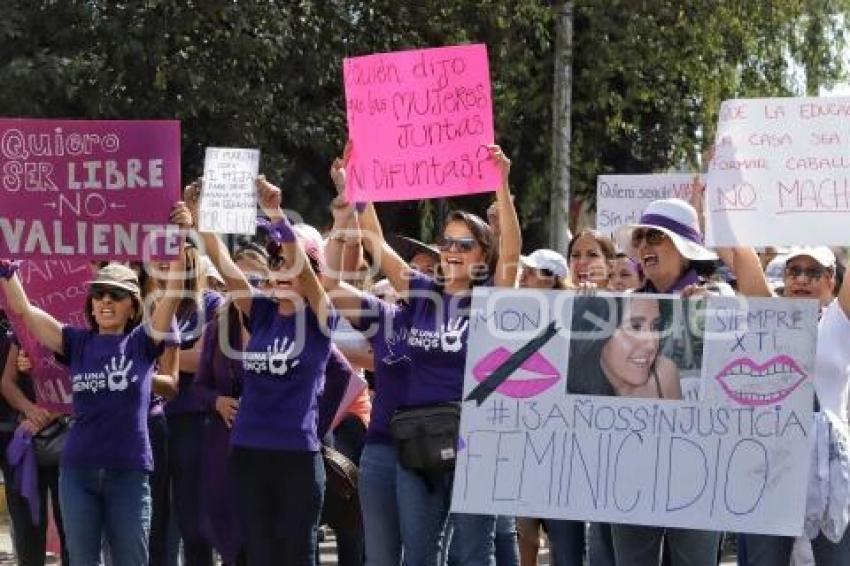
(276, 261)
(98, 292)
(653, 237)
(812, 273)
(463, 245)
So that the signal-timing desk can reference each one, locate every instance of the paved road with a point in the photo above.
(327, 551)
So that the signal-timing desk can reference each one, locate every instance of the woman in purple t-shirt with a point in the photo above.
(103, 484)
(437, 320)
(275, 463)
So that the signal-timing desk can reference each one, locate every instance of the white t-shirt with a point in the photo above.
(832, 368)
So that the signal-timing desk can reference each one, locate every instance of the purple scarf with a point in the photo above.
(690, 277)
(21, 455)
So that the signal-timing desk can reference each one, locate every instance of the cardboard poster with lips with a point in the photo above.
(638, 409)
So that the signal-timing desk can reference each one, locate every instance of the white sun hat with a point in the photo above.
(675, 218)
(550, 260)
(821, 254)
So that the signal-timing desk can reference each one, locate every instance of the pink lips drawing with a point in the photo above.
(752, 384)
(543, 374)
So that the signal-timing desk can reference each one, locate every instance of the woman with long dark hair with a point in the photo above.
(437, 320)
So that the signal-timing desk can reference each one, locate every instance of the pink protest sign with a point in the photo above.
(88, 188)
(420, 122)
(58, 287)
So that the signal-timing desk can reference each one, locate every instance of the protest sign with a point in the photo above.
(88, 188)
(573, 409)
(780, 168)
(621, 199)
(58, 287)
(229, 196)
(419, 122)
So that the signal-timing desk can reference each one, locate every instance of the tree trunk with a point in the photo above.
(561, 127)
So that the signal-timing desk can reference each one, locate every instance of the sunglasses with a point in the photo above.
(276, 261)
(812, 273)
(463, 245)
(652, 236)
(114, 293)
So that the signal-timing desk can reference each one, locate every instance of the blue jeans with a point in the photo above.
(636, 545)
(114, 502)
(504, 541)
(567, 541)
(423, 512)
(379, 506)
(507, 552)
(473, 539)
(766, 550)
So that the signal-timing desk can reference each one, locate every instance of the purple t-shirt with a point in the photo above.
(191, 329)
(386, 327)
(438, 325)
(284, 365)
(111, 382)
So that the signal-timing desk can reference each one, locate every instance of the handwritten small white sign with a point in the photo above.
(621, 199)
(229, 197)
(780, 174)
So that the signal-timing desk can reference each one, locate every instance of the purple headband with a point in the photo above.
(279, 232)
(677, 227)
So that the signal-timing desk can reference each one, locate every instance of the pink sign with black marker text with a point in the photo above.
(420, 122)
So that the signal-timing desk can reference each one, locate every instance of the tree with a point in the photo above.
(647, 77)
(561, 126)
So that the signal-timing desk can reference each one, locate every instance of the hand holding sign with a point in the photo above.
(192, 197)
(270, 198)
(181, 215)
(338, 168)
(502, 162)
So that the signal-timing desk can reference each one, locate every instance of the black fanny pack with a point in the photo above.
(49, 442)
(426, 437)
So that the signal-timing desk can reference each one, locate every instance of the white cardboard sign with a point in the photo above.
(621, 199)
(229, 196)
(560, 438)
(780, 174)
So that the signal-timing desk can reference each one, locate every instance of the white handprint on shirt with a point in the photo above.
(451, 334)
(279, 356)
(116, 373)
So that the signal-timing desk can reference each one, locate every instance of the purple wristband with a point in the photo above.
(280, 231)
(360, 206)
(8, 268)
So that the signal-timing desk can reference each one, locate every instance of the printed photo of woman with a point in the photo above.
(616, 348)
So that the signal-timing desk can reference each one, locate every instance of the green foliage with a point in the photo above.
(647, 80)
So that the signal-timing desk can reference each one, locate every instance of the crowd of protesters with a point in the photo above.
(206, 390)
